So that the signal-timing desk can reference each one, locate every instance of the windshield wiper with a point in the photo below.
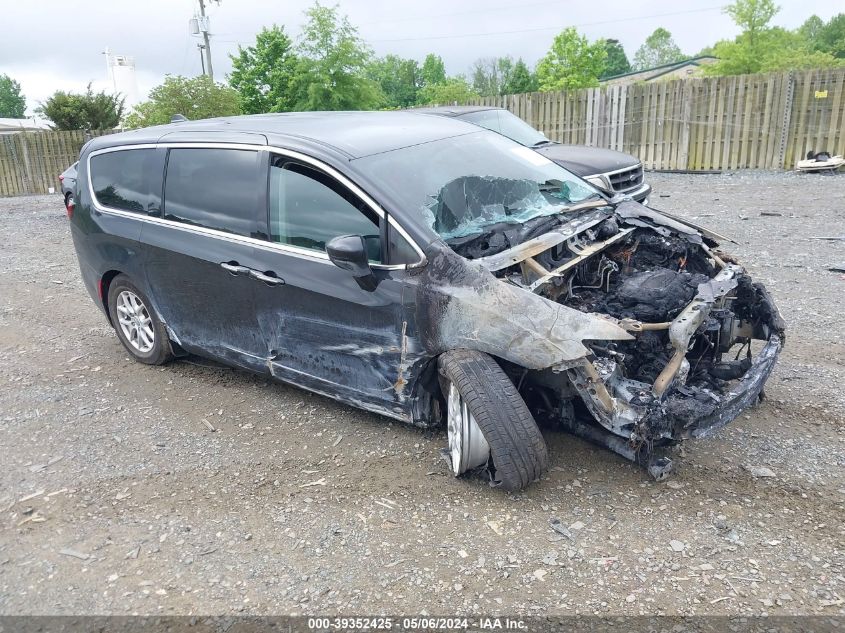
(545, 141)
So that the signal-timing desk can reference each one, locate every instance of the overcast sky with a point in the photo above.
(50, 44)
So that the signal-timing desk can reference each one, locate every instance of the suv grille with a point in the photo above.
(627, 180)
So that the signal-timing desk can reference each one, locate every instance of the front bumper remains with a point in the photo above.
(641, 419)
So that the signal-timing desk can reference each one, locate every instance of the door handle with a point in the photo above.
(267, 279)
(235, 268)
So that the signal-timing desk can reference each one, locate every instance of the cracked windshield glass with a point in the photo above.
(467, 184)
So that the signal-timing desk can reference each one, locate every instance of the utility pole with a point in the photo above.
(206, 39)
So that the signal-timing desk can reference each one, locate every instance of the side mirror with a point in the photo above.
(349, 252)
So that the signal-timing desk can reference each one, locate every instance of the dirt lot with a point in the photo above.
(117, 498)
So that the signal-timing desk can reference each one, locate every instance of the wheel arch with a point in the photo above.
(427, 393)
(103, 290)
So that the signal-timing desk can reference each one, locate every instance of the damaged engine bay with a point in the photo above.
(694, 341)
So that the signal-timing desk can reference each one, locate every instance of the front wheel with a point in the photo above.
(136, 324)
(488, 422)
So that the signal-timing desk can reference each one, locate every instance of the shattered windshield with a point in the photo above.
(465, 184)
(507, 124)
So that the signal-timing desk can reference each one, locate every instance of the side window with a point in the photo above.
(129, 179)
(308, 209)
(214, 188)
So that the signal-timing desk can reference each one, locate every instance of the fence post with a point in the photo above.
(786, 119)
(27, 168)
(683, 155)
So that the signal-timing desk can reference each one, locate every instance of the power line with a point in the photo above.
(430, 16)
(548, 28)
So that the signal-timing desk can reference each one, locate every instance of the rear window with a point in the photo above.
(128, 180)
(214, 188)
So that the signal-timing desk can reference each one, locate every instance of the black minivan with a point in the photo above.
(427, 270)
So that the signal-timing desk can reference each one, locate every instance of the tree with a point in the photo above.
(520, 80)
(263, 73)
(659, 49)
(12, 102)
(196, 98)
(825, 37)
(616, 62)
(333, 65)
(491, 74)
(753, 17)
(763, 48)
(433, 70)
(398, 79)
(88, 111)
(572, 62)
(811, 29)
(451, 91)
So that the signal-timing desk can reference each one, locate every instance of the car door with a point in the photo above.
(324, 331)
(200, 252)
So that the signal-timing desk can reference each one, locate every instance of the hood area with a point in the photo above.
(587, 161)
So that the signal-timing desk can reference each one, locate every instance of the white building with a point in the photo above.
(22, 125)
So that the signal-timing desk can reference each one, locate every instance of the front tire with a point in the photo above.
(486, 417)
(136, 323)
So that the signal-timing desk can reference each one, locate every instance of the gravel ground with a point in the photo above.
(117, 498)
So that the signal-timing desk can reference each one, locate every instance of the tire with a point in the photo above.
(152, 346)
(517, 448)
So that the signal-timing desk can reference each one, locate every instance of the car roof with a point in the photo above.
(353, 134)
(453, 111)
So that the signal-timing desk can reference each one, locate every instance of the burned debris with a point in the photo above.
(673, 340)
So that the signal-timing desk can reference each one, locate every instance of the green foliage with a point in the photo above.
(520, 80)
(752, 16)
(490, 75)
(747, 52)
(433, 70)
(88, 111)
(658, 49)
(399, 80)
(332, 73)
(449, 92)
(825, 37)
(763, 48)
(616, 62)
(196, 98)
(12, 102)
(263, 74)
(572, 62)
(811, 29)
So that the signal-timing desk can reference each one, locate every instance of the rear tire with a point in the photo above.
(517, 449)
(136, 323)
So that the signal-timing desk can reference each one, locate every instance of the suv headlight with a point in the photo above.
(598, 181)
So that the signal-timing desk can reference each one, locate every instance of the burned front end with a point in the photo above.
(617, 323)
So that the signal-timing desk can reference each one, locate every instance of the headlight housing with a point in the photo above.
(599, 181)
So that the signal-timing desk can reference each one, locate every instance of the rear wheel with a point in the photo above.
(136, 324)
(488, 422)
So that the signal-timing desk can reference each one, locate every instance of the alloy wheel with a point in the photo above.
(135, 321)
(467, 446)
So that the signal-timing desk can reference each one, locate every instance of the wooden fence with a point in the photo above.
(30, 162)
(748, 121)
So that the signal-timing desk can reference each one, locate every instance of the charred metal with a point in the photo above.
(617, 323)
